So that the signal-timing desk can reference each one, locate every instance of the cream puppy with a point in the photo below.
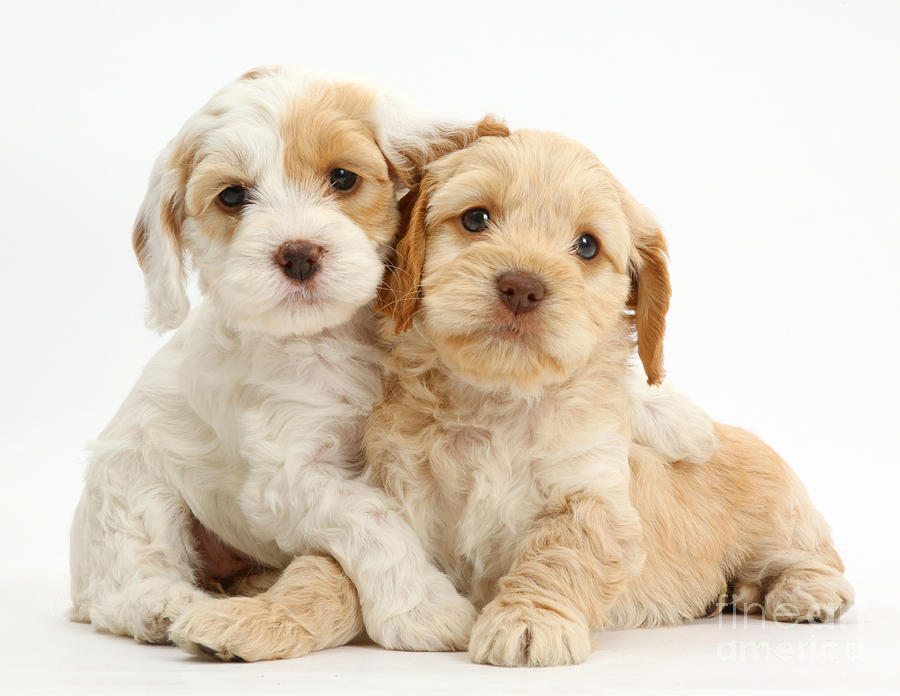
(524, 272)
(246, 427)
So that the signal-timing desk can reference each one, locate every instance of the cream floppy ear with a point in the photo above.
(410, 142)
(409, 155)
(157, 240)
(650, 288)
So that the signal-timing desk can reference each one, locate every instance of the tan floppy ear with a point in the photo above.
(398, 294)
(650, 288)
(157, 239)
(410, 138)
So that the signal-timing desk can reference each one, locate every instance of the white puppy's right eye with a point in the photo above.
(233, 196)
(476, 219)
(342, 179)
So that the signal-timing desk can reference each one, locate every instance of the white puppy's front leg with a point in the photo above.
(407, 604)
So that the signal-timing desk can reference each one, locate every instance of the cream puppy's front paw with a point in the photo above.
(521, 634)
(442, 621)
(243, 629)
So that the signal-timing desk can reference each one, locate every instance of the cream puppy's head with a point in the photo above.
(522, 256)
(282, 193)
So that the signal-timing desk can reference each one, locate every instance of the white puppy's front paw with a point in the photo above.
(156, 612)
(525, 635)
(442, 621)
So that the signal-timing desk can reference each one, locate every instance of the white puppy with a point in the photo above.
(246, 427)
(282, 191)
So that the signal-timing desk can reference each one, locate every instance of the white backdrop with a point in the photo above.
(764, 135)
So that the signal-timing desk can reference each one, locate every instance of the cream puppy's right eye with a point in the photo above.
(233, 196)
(476, 219)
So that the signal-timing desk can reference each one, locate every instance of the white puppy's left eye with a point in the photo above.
(587, 246)
(233, 196)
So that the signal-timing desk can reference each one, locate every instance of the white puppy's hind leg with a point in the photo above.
(668, 422)
(131, 554)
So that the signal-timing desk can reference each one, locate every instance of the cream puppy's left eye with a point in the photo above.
(233, 196)
(587, 246)
(342, 179)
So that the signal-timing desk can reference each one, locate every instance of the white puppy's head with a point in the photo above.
(282, 191)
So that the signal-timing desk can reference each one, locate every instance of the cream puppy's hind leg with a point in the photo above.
(793, 572)
(800, 583)
(794, 585)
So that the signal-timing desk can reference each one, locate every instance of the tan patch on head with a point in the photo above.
(327, 130)
(214, 174)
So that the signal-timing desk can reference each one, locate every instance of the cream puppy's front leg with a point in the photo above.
(571, 566)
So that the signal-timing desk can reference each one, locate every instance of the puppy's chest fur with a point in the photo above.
(264, 404)
(473, 471)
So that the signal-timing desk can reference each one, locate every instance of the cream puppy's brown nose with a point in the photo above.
(298, 260)
(520, 292)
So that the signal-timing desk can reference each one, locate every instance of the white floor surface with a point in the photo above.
(42, 653)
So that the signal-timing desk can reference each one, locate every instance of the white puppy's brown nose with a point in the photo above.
(520, 292)
(298, 259)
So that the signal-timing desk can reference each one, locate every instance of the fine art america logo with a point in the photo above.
(778, 640)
